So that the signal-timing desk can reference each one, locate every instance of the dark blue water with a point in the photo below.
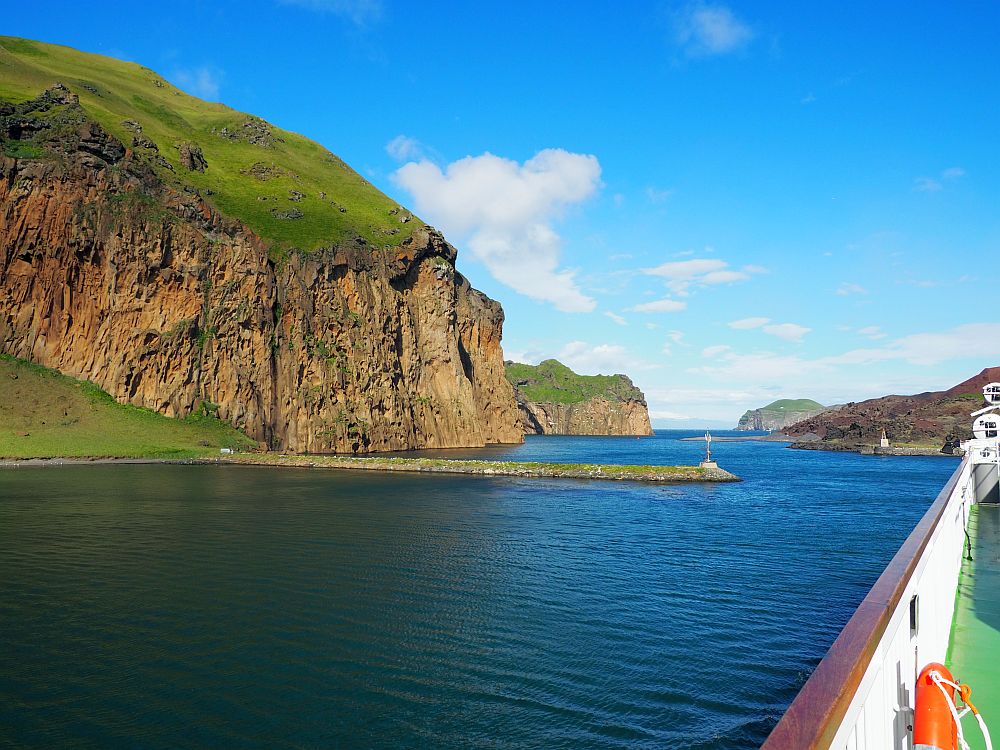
(181, 606)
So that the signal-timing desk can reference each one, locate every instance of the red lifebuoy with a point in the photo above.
(933, 725)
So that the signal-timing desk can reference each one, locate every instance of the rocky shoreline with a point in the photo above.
(870, 450)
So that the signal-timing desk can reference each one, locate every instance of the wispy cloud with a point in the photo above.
(506, 211)
(745, 324)
(707, 30)
(359, 12)
(919, 349)
(404, 148)
(660, 305)
(872, 332)
(847, 289)
(600, 359)
(714, 351)
(937, 184)
(980, 339)
(616, 318)
(658, 195)
(203, 81)
(681, 275)
(787, 331)
(927, 185)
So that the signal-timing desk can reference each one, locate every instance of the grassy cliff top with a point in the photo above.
(793, 404)
(254, 170)
(553, 382)
(44, 415)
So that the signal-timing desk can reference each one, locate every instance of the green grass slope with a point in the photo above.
(44, 414)
(252, 166)
(554, 383)
(793, 404)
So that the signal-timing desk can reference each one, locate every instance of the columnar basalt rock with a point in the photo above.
(598, 416)
(108, 274)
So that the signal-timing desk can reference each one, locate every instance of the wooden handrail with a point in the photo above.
(813, 718)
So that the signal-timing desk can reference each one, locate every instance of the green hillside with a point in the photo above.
(793, 404)
(44, 414)
(552, 382)
(289, 189)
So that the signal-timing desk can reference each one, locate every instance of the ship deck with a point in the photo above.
(974, 651)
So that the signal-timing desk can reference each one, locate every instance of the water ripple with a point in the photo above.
(155, 607)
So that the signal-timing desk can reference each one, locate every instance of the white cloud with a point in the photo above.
(602, 359)
(787, 331)
(723, 277)
(926, 185)
(873, 332)
(807, 99)
(360, 12)
(506, 211)
(202, 82)
(704, 30)
(846, 289)
(714, 351)
(656, 195)
(402, 147)
(686, 269)
(747, 323)
(680, 275)
(934, 185)
(980, 340)
(676, 336)
(616, 318)
(660, 305)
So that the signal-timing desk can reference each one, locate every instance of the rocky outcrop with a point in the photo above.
(931, 419)
(554, 400)
(778, 415)
(597, 416)
(109, 274)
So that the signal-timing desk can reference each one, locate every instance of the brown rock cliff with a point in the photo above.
(597, 416)
(108, 274)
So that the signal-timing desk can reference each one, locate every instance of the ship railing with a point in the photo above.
(860, 697)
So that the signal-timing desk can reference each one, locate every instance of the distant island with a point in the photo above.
(780, 414)
(554, 400)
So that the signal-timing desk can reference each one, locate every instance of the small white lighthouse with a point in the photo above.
(708, 463)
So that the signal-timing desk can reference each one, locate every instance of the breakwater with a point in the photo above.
(535, 469)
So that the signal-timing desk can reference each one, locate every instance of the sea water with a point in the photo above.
(162, 606)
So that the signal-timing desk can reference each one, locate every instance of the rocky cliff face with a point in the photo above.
(108, 273)
(597, 416)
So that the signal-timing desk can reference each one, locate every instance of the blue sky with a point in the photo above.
(730, 202)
